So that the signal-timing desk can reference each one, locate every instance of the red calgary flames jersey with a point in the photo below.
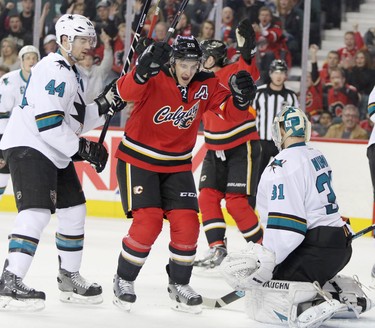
(162, 129)
(223, 134)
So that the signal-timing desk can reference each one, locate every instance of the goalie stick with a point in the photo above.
(231, 297)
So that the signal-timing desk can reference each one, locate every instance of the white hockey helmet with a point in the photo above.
(25, 50)
(294, 122)
(72, 26)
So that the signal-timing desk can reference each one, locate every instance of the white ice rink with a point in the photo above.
(102, 246)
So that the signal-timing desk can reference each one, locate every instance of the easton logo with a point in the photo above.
(180, 118)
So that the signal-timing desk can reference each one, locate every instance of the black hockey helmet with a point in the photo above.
(216, 49)
(278, 65)
(186, 47)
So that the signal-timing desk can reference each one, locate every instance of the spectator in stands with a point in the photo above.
(18, 33)
(271, 43)
(4, 19)
(369, 39)
(199, 12)
(227, 25)
(314, 93)
(349, 127)
(184, 26)
(118, 50)
(269, 100)
(104, 20)
(207, 31)
(9, 54)
(320, 128)
(332, 62)
(169, 8)
(362, 77)
(94, 77)
(49, 44)
(161, 29)
(291, 19)
(353, 42)
(27, 14)
(89, 10)
(340, 94)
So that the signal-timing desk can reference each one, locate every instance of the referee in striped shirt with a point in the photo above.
(269, 100)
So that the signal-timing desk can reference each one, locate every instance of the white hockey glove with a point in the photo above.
(252, 266)
(109, 101)
(267, 263)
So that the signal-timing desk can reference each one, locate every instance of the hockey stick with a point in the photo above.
(231, 297)
(363, 231)
(176, 19)
(129, 57)
(154, 20)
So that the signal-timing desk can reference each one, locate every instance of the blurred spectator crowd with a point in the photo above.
(337, 92)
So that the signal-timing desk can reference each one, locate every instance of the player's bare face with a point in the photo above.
(81, 46)
(185, 70)
(29, 60)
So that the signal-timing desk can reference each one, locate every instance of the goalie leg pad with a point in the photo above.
(349, 291)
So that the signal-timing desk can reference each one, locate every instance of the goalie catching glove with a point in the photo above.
(109, 101)
(150, 62)
(243, 89)
(251, 267)
(93, 152)
(246, 42)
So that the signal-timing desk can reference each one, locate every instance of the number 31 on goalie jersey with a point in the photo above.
(323, 185)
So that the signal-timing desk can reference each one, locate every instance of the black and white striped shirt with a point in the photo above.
(268, 103)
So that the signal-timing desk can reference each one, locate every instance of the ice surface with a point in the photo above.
(102, 246)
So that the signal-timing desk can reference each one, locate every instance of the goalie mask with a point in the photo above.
(295, 124)
(216, 49)
(72, 26)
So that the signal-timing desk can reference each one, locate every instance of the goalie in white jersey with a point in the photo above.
(305, 243)
(12, 88)
(39, 143)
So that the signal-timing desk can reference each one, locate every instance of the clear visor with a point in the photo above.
(83, 40)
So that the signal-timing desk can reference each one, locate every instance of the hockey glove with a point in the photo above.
(243, 89)
(109, 101)
(151, 61)
(93, 152)
(246, 42)
(142, 45)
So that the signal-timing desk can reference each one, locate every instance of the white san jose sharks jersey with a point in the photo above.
(295, 194)
(52, 114)
(12, 88)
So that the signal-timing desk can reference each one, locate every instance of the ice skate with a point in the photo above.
(184, 298)
(15, 295)
(76, 289)
(124, 293)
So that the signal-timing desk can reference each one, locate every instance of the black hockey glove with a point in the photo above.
(142, 44)
(243, 89)
(150, 62)
(246, 42)
(109, 101)
(93, 152)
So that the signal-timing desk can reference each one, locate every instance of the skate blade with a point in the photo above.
(181, 307)
(70, 297)
(8, 303)
(122, 305)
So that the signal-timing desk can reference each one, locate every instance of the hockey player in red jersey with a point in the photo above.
(230, 168)
(154, 166)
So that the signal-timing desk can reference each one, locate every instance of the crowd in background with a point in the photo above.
(345, 78)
